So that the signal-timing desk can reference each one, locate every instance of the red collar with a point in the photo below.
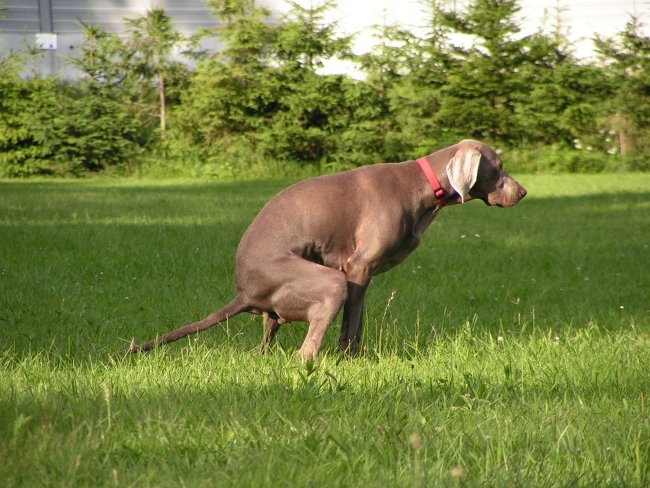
(433, 181)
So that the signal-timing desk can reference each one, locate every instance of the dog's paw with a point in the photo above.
(306, 354)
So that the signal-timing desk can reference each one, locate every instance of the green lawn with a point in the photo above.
(511, 349)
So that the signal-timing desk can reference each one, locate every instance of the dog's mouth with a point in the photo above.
(502, 203)
(505, 202)
(486, 200)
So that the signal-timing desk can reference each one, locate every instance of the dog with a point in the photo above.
(314, 247)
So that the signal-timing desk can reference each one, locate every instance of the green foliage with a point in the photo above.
(137, 68)
(151, 41)
(561, 104)
(52, 128)
(479, 93)
(230, 94)
(563, 159)
(264, 98)
(304, 40)
(245, 32)
(101, 122)
(405, 74)
(627, 112)
(262, 91)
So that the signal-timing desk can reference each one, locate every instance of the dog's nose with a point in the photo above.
(522, 192)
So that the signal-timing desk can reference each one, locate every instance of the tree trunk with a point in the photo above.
(163, 110)
(623, 142)
(623, 134)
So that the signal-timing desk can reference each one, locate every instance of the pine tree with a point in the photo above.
(559, 106)
(312, 109)
(418, 98)
(150, 42)
(478, 98)
(136, 68)
(386, 66)
(233, 92)
(627, 66)
(305, 39)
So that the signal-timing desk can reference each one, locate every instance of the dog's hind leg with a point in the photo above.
(270, 330)
(304, 291)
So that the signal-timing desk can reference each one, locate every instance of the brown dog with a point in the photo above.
(314, 247)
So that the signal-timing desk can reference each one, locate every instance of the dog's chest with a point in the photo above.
(400, 251)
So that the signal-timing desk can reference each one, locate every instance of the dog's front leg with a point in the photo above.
(360, 268)
(352, 319)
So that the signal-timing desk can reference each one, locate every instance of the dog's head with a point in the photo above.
(475, 171)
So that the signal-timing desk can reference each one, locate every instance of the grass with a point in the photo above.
(511, 349)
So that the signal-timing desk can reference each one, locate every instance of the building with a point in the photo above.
(54, 26)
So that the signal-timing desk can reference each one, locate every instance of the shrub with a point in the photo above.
(51, 128)
(553, 159)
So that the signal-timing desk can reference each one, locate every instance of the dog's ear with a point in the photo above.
(462, 170)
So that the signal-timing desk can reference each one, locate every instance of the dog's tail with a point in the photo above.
(237, 305)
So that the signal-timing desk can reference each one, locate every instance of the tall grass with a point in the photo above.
(512, 348)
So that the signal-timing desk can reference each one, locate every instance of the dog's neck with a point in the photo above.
(436, 177)
(434, 183)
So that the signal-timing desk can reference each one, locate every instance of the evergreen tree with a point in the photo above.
(136, 68)
(232, 93)
(478, 97)
(245, 32)
(418, 98)
(627, 66)
(311, 109)
(47, 127)
(560, 103)
(100, 58)
(304, 39)
(264, 93)
(150, 43)
(377, 131)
